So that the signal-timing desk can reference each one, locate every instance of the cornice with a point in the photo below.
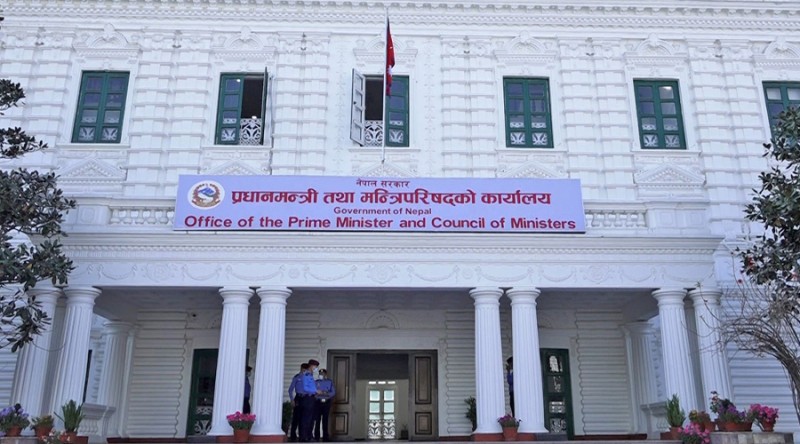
(734, 15)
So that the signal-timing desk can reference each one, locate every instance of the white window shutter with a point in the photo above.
(357, 108)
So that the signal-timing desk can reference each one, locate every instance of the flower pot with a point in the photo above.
(767, 426)
(708, 426)
(241, 435)
(42, 431)
(509, 433)
(71, 437)
(14, 431)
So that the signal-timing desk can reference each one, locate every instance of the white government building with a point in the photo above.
(659, 109)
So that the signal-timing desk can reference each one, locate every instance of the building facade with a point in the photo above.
(659, 110)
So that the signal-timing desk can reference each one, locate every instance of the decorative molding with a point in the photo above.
(665, 175)
(779, 54)
(526, 50)
(91, 170)
(233, 168)
(384, 170)
(372, 53)
(654, 51)
(246, 45)
(106, 44)
(382, 319)
(535, 170)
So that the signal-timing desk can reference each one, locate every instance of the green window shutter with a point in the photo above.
(658, 108)
(397, 105)
(528, 116)
(101, 107)
(230, 108)
(779, 97)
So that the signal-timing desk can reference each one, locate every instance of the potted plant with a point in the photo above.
(675, 416)
(241, 423)
(13, 420)
(509, 425)
(472, 412)
(42, 425)
(765, 415)
(702, 419)
(694, 433)
(729, 418)
(286, 416)
(71, 416)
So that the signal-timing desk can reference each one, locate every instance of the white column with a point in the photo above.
(528, 394)
(29, 378)
(72, 359)
(229, 385)
(642, 369)
(109, 392)
(489, 393)
(678, 374)
(713, 358)
(268, 382)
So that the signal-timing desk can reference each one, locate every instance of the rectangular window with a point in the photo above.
(780, 96)
(101, 107)
(367, 127)
(241, 109)
(528, 115)
(658, 107)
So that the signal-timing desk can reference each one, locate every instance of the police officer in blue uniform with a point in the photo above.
(307, 390)
(325, 394)
(294, 396)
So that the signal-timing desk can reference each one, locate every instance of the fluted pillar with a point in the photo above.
(112, 377)
(229, 382)
(489, 394)
(713, 358)
(678, 374)
(72, 359)
(31, 372)
(268, 383)
(528, 394)
(642, 369)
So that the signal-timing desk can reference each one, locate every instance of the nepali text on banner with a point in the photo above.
(337, 203)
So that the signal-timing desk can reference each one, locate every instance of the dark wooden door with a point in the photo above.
(557, 392)
(343, 410)
(201, 399)
(422, 397)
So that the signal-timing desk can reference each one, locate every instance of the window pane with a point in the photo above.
(232, 85)
(374, 395)
(650, 140)
(114, 100)
(111, 116)
(514, 89)
(89, 116)
(396, 136)
(374, 407)
(94, 83)
(91, 99)
(668, 108)
(388, 407)
(773, 94)
(793, 93)
(537, 106)
(388, 395)
(229, 118)
(649, 123)
(517, 138)
(397, 103)
(647, 108)
(644, 93)
(109, 134)
(539, 121)
(231, 101)
(398, 119)
(86, 134)
(539, 139)
(536, 90)
(116, 84)
(665, 92)
(398, 88)
(673, 141)
(516, 121)
(671, 124)
(515, 106)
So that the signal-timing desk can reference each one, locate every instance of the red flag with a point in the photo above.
(389, 59)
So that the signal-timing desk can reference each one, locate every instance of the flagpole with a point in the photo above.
(385, 64)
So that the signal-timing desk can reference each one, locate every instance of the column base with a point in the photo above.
(268, 438)
(487, 437)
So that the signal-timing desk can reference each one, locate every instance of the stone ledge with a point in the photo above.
(751, 438)
(19, 440)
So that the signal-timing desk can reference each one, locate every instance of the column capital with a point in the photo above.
(45, 289)
(639, 328)
(670, 296)
(117, 327)
(235, 295)
(486, 294)
(706, 295)
(523, 294)
(273, 295)
(81, 295)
